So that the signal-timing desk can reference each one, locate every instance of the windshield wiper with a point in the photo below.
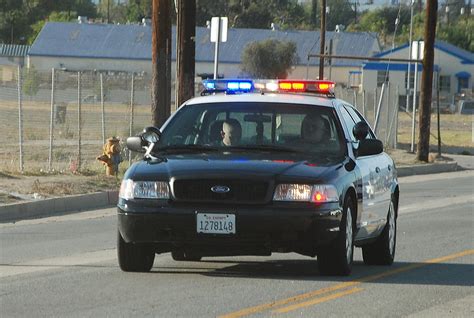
(263, 148)
(193, 148)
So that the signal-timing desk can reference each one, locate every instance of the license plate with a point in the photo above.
(211, 223)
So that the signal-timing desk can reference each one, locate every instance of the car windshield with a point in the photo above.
(272, 127)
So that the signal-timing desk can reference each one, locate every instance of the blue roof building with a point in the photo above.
(128, 48)
(454, 66)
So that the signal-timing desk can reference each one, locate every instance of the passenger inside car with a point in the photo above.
(314, 130)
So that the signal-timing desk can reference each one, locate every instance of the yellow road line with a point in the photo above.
(318, 300)
(278, 303)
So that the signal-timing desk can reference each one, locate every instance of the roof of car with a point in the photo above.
(299, 98)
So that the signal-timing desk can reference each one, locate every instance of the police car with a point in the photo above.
(256, 167)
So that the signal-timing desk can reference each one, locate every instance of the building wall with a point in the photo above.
(449, 65)
(44, 63)
(369, 80)
(228, 70)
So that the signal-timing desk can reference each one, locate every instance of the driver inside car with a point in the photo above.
(231, 132)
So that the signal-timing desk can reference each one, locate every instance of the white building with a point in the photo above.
(455, 67)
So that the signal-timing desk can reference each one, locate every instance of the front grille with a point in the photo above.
(241, 191)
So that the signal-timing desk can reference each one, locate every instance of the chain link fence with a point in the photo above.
(59, 120)
(379, 106)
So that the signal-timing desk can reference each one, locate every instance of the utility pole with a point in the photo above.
(186, 50)
(427, 81)
(322, 44)
(161, 61)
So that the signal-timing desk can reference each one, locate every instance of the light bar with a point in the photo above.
(246, 86)
(318, 87)
(231, 86)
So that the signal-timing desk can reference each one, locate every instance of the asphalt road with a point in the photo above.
(66, 267)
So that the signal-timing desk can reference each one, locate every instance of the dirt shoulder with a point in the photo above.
(17, 187)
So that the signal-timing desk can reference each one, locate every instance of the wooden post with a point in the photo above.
(323, 38)
(161, 61)
(186, 30)
(427, 82)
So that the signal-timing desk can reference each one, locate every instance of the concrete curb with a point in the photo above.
(404, 171)
(71, 204)
(56, 206)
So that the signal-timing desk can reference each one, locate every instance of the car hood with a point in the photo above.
(236, 166)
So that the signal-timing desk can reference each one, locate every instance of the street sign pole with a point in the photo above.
(218, 34)
(417, 46)
(216, 51)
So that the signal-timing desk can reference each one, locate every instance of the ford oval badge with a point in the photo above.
(220, 189)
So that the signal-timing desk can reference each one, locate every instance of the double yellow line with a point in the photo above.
(313, 298)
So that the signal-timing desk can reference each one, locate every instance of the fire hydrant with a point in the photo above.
(111, 157)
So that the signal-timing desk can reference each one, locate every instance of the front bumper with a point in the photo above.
(259, 229)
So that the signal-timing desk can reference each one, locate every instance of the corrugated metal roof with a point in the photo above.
(14, 49)
(134, 42)
(463, 55)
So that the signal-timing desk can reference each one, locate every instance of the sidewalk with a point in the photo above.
(76, 203)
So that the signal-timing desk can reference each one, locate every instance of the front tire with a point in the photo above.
(134, 257)
(382, 251)
(336, 259)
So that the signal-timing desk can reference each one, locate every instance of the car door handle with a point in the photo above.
(377, 169)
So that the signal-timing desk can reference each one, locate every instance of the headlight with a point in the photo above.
(306, 193)
(130, 189)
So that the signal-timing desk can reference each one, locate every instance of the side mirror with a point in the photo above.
(145, 141)
(151, 134)
(369, 147)
(360, 130)
(136, 144)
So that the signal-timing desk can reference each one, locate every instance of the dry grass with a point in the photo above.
(457, 134)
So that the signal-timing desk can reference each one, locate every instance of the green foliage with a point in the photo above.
(382, 21)
(459, 33)
(269, 59)
(286, 14)
(340, 12)
(31, 82)
(21, 20)
(137, 10)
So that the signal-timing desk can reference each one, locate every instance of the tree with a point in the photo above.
(269, 58)
(382, 21)
(286, 14)
(136, 10)
(13, 21)
(340, 12)
(19, 18)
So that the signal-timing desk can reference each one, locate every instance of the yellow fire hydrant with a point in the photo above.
(111, 157)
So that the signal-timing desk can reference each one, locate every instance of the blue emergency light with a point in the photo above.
(229, 86)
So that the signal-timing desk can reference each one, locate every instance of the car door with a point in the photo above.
(368, 217)
(379, 179)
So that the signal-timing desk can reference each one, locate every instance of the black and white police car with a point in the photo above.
(252, 168)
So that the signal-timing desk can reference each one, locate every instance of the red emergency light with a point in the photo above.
(318, 87)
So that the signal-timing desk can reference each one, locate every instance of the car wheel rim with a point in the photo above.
(391, 229)
(349, 236)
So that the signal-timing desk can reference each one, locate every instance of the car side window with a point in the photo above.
(357, 118)
(346, 117)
